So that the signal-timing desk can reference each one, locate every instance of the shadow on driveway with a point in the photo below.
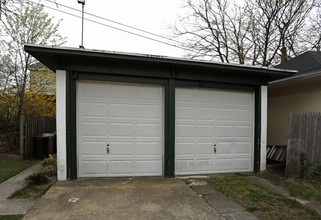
(122, 198)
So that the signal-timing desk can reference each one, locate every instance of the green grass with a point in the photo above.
(305, 189)
(31, 191)
(11, 217)
(38, 183)
(262, 202)
(11, 167)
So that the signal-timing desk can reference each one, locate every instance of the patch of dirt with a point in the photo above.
(10, 156)
(275, 168)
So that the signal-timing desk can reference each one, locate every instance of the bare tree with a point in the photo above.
(312, 33)
(210, 30)
(258, 32)
(239, 31)
(281, 22)
(6, 7)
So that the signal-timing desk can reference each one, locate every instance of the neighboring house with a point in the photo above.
(298, 93)
(140, 115)
(42, 79)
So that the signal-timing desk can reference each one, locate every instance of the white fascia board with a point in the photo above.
(61, 124)
(308, 75)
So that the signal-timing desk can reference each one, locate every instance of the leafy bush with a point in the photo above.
(51, 160)
(50, 166)
(9, 141)
(37, 179)
(50, 171)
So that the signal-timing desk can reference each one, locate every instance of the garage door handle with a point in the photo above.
(107, 149)
(215, 148)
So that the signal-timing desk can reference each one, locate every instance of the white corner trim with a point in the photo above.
(61, 124)
(263, 127)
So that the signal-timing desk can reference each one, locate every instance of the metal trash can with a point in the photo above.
(50, 142)
(40, 146)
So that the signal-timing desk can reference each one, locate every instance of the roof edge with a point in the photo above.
(308, 75)
(30, 48)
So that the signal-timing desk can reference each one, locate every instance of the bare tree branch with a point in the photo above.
(258, 32)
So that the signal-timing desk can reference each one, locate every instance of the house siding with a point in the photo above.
(279, 108)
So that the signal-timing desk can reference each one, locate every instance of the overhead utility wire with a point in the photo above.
(115, 22)
(119, 29)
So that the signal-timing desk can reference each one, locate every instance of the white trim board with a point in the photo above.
(61, 124)
(263, 127)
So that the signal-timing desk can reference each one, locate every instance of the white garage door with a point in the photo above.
(214, 131)
(119, 129)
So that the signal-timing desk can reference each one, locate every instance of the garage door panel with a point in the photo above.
(242, 164)
(148, 111)
(185, 112)
(93, 90)
(242, 147)
(121, 148)
(147, 149)
(121, 130)
(148, 168)
(224, 148)
(206, 131)
(206, 113)
(129, 118)
(184, 166)
(206, 96)
(220, 118)
(205, 148)
(185, 95)
(91, 109)
(94, 167)
(185, 130)
(88, 148)
(243, 115)
(226, 114)
(243, 99)
(121, 110)
(93, 129)
(120, 92)
(148, 93)
(147, 130)
(205, 165)
(121, 168)
(243, 131)
(225, 131)
(224, 164)
(225, 97)
(184, 149)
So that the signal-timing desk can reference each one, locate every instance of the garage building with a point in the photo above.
(122, 114)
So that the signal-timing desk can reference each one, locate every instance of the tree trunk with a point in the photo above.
(284, 55)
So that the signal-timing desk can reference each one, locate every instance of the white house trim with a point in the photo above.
(263, 126)
(61, 124)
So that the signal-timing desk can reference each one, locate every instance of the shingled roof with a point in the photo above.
(305, 63)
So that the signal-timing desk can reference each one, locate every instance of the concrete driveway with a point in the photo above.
(122, 198)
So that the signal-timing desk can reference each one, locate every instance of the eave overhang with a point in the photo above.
(72, 59)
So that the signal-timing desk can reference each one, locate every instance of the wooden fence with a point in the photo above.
(304, 141)
(31, 128)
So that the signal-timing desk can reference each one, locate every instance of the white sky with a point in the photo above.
(150, 15)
